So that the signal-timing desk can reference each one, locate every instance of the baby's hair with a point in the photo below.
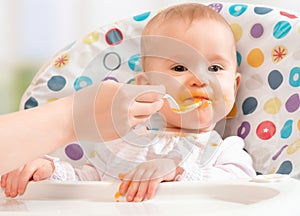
(187, 12)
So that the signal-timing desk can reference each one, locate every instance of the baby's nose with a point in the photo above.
(196, 82)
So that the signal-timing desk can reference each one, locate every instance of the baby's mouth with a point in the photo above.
(204, 100)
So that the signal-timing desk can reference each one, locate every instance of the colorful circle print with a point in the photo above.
(257, 30)
(281, 29)
(294, 78)
(114, 36)
(81, 82)
(74, 151)
(265, 130)
(249, 105)
(134, 63)
(56, 83)
(30, 103)
(237, 9)
(287, 129)
(255, 58)
(216, 6)
(262, 10)
(141, 17)
(275, 79)
(112, 61)
(244, 130)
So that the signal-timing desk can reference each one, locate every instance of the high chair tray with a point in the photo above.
(210, 198)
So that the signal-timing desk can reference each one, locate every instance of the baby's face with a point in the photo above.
(199, 65)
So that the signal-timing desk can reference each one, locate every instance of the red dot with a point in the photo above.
(265, 130)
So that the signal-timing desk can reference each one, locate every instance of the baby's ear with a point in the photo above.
(142, 79)
(237, 82)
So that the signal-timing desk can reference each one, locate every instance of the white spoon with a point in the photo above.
(182, 108)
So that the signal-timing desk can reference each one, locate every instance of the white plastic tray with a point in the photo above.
(209, 198)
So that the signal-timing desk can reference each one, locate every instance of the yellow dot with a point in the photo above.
(92, 154)
(272, 106)
(237, 31)
(255, 58)
(91, 38)
(272, 171)
(292, 148)
(299, 29)
(51, 100)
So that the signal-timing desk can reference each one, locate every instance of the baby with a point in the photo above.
(190, 49)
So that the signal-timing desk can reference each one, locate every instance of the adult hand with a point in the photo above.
(112, 109)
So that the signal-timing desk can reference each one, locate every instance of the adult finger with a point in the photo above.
(146, 93)
(145, 109)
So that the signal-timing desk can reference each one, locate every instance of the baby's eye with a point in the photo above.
(179, 68)
(215, 68)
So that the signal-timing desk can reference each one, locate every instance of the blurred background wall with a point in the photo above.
(34, 30)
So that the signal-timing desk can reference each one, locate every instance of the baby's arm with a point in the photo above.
(64, 171)
(231, 161)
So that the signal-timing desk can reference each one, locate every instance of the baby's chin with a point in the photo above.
(192, 127)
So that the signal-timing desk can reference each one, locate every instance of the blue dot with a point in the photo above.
(249, 105)
(131, 81)
(114, 36)
(262, 10)
(285, 168)
(275, 79)
(134, 63)
(294, 78)
(141, 17)
(30, 103)
(56, 83)
(239, 58)
(287, 129)
(82, 82)
(237, 9)
(281, 29)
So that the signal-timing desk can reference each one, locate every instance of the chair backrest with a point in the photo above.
(266, 114)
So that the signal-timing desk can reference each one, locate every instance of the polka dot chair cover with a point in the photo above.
(266, 114)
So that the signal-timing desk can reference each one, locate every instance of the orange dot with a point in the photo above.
(255, 58)
(299, 125)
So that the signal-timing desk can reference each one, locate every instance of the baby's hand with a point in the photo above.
(144, 180)
(15, 182)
